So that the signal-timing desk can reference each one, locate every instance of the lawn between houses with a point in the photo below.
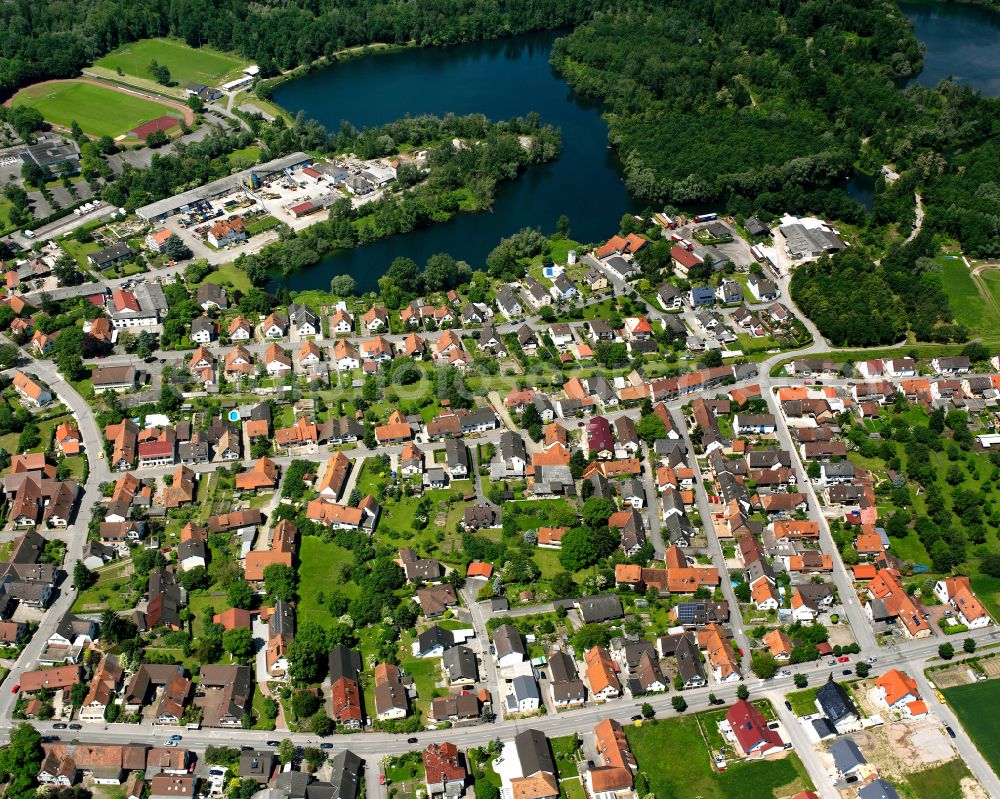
(674, 756)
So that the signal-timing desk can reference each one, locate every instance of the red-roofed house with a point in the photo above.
(750, 729)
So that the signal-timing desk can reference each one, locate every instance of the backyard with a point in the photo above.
(319, 573)
(674, 756)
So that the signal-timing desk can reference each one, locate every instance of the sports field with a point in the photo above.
(186, 64)
(98, 110)
(978, 708)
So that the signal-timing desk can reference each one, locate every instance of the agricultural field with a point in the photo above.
(100, 111)
(186, 64)
(688, 771)
(978, 708)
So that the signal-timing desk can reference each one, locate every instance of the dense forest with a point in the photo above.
(40, 40)
(709, 99)
(857, 303)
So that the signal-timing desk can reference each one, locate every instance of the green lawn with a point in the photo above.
(99, 111)
(978, 708)
(110, 590)
(186, 64)
(229, 275)
(319, 572)
(673, 754)
(804, 701)
(966, 301)
(251, 153)
(939, 782)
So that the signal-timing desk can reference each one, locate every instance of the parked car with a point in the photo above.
(59, 726)
(847, 671)
(176, 737)
(274, 743)
(76, 726)
(16, 688)
(411, 740)
(326, 745)
(843, 659)
(788, 704)
(381, 779)
(637, 717)
(951, 732)
(170, 743)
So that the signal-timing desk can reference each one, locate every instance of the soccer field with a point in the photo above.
(99, 111)
(186, 64)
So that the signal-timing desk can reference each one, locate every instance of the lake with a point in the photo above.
(513, 77)
(502, 79)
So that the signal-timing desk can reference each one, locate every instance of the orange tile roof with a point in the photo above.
(601, 670)
(897, 686)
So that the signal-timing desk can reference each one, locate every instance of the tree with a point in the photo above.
(240, 594)
(286, 751)
(647, 710)
(862, 669)
(563, 585)
(712, 359)
(82, 576)
(159, 72)
(9, 355)
(562, 226)
(305, 703)
(170, 401)
(597, 511)
(307, 654)
(321, 724)
(946, 651)
(651, 428)
(196, 104)
(764, 665)
(680, 704)
(969, 645)
(801, 680)
(742, 692)
(21, 760)
(990, 565)
(343, 285)
(280, 582)
(238, 642)
(577, 550)
(33, 174)
(176, 249)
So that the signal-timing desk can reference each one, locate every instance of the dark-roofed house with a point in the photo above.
(508, 645)
(345, 691)
(228, 692)
(459, 665)
(600, 607)
(834, 703)
(433, 642)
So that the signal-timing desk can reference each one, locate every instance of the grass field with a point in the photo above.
(939, 782)
(319, 572)
(674, 756)
(978, 708)
(186, 64)
(99, 111)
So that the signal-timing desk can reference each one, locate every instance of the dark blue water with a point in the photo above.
(501, 79)
(961, 41)
(513, 77)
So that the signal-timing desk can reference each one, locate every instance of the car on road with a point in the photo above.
(788, 704)
(786, 673)
(245, 748)
(872, 659)
(951, 732)
(76, 726)
(176, 737)
(149, 359)
(59, 726)
(411, 740)
(637, 717)
(381, 779)
(16, 688)
(274, 743)
(326, 745)
(170, 743)
(831, 663)
(848, 671)
(843, 659)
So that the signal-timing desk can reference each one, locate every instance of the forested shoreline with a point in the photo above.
(42, 40)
